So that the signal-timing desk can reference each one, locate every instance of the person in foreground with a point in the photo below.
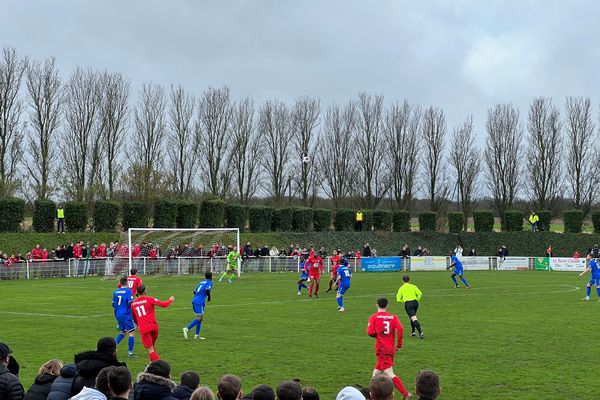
(144, 316)
(383, 327)
(427, 385)
(10, 386)
(382, 388)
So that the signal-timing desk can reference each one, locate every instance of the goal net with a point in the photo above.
(175, 251)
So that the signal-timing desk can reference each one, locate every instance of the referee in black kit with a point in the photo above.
(410, 295)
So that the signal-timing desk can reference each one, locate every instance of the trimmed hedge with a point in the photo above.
(513, 221)
(165, 213)
(456, 222)
(134, 215)
(106, 215)
(545, 220)
(321, 219)
(282, 219)
(236, 216)
(43, 215)
(483, 221)
(382, 220)
(302, 219)
(75, 216)
(12, 213)
(187, 214)
(427, 221)
(343, 219)
(212, 212)
(596, 221)
(573, 220)
(259, 218)
(401, 220)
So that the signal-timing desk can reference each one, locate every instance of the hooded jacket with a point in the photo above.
(153, 387)
(89, 364)
(61, 387)
(10, 386)
(40, 388)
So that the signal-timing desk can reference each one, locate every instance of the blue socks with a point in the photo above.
(130, 344)
(195, 323)
(598, 290)
(119, 337)
(454, 280)
(340, 301)
(588, 290)
(464, 281)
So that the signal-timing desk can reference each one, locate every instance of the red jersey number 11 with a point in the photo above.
(141, 311)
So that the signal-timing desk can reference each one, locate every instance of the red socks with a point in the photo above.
(400, 386)
(310, 288)
(154, 356)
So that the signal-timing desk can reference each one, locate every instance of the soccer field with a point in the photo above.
(524, 335)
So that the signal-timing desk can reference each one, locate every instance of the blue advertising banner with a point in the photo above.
(381, 264)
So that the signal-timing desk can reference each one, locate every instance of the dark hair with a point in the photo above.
(365, 392)
(123, 281)
(229, 387)
(190, 379)
(263, 392)
(405, 278)
(160, 368)
(310, 393)
(106, 345)
(141, 289)
(208, 275)
(427, 384)
(382, 387)
(289, 390)
(102, 380)
(119, 380)
(133, 271)
(382, 302)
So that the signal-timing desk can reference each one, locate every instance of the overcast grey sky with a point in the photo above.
(463, 56)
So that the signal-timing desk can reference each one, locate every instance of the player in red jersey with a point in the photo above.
(315, 264)
(142, 310)
(383, 327)
(133, 282)
(335, 263)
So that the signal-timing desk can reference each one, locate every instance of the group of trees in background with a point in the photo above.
(86, 138)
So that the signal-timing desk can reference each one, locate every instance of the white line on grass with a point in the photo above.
(472, 292)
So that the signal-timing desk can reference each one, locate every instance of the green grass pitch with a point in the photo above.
(524, 335)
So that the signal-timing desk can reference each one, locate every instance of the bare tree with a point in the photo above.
(466, 162)
(247, 143)
(12, 69)
(214, 115)
(145, 153)
(581, 156)
(274, 124)
(434, 136)
(44, 92)
(82, 132)
(372, 181)
(305, 120)
(503, 154)
(114, 115)
(183, 142)
(336, 161)
(544, 155)
(401, 128)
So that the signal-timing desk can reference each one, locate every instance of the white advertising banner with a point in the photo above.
(567, 264)
(513, 263)
(475, 263)
(428, 263)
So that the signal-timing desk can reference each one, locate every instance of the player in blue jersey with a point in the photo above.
(122, 299)
(303, 276)
(594, 267)
(458, 270)
(201, 296)
(343, 282)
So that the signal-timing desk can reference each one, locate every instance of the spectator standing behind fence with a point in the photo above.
(60, 219)
(533, 220)
(549, 252)
(358, 220)
(366, 250)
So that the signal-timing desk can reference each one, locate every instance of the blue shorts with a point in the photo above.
(342, 289)
(198, 309)
(125, 325)
(304, 276)
(594, 281)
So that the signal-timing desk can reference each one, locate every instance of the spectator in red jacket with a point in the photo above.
(102, 250)
(136, 250)
(77, 250)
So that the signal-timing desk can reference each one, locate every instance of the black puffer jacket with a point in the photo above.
(61, 387)
(10, 386)
(182, 392)
(40, 388)
(89, 364)
(153, 387)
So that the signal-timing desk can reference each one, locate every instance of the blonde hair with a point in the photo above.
(51, 367)
(203, 393)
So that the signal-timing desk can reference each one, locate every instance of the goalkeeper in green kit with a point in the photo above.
(232, 261)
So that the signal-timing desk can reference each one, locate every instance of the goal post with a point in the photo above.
(174, 244)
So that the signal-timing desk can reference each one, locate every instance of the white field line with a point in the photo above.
(466, 292)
